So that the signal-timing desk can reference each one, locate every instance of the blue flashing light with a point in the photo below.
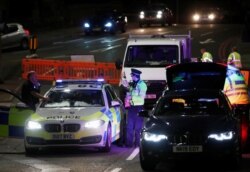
(61, 83)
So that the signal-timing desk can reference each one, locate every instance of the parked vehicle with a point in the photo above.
(187, 124)
(79, 113)
(151, 54)
(14, 35)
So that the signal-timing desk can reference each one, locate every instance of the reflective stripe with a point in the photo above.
(12, 121)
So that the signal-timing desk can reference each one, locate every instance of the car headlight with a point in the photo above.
(159, 14)
(108, 24)
(211, 16)
(221, 136)
(86, 25)
(154, 137)
(94, 124)
(33, 125)
(142, 15)
(196, 17)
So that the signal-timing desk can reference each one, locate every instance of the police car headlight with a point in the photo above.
(108, 24)
(151, 137)
(221, 136)
(32, 125)
(94, 124)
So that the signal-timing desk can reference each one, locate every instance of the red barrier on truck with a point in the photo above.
(51, 70)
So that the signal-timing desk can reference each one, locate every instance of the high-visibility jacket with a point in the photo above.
(206, 57)
(236, 89)
(138, 93)
(234, 59)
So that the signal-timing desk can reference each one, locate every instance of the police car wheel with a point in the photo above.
(147, 164)
(107, 146)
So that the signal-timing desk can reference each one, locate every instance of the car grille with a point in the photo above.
(65, 128)
(190, 139)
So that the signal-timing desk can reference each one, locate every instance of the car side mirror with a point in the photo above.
(115, 103)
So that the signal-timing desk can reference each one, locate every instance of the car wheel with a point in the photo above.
(147, 164)
(108, 141)
(234, 159)
(24, 44)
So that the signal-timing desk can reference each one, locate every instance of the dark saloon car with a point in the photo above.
(155, 14)
(106, 21)
(190, 124)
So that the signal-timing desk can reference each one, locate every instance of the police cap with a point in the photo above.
(135, 72)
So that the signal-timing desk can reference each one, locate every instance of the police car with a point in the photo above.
(79, 113)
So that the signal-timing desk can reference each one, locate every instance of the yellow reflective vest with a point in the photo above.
(236, 89)
(138, 93)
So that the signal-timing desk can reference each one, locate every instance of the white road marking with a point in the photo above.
(207, 41)
(65, 42)
(205, 34)
(113, 40)
(105, 49)
(38, 164)
(93, 40)
(116, 170)
(133, 155)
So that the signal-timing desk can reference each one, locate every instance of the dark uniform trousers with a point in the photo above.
(134, 126)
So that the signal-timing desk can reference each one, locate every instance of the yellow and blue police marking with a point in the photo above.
(12, 121)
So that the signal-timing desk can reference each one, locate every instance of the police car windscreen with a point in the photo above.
(74, 98)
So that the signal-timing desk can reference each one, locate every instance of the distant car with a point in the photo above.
(79, 113)
(207, 15)
(14, 35)
(155, 14)
(190, 124)
(106, 22)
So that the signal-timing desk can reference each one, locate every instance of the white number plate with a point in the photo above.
(150, 96)
(63, 136)
(185, 149)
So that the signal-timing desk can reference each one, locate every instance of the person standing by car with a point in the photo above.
(31, 90)
(236, 90)
(135, 97)
(206, 56)
(234, 58)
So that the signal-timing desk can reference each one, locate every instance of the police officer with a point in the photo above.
(31, 90)
(237, 93)
(206, 56)
(234, 58)
(136, 95)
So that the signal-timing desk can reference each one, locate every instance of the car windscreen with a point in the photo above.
(191, 105)
(74, 98)
(151, 55)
